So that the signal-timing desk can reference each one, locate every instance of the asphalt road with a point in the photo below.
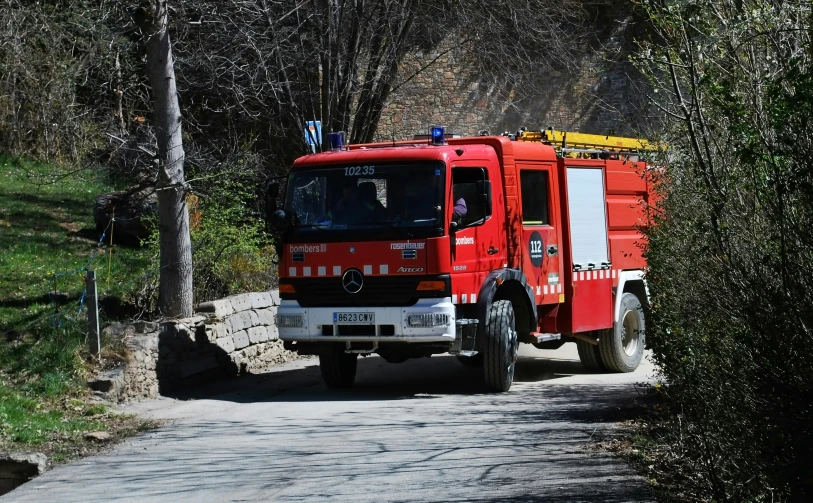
(418, 431)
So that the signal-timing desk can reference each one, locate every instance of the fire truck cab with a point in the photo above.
(466, 246)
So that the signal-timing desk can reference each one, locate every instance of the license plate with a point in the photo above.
(354, 318)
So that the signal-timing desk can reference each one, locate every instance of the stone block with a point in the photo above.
(257, 335)
(18, 468)
(254, 318)
(226, 344)
(274, 297)
(248, 320)
(240, 302)
(143, 342)
(273, 333)
(235, 323)
(145, 327)
(118, 331)
(241, 339)
(262, 314)
(260, 300)
(219, 308)
(215, 331)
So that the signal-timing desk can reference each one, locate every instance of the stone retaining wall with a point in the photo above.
(227, 337)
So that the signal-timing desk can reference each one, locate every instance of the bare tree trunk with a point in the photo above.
(118, 95)
(175, 289)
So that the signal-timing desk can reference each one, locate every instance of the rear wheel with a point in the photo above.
(622, 348)
(590, 356)
(338, 368)
(500, 347)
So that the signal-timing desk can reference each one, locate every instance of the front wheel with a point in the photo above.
(338, 368)
(622, 348)
(499, 347)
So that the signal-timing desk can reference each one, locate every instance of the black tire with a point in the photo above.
(590, 356)
(622, 348)
(499, 347)
(471, 361)
(338, 368)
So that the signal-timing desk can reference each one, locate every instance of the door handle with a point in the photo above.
(553, 250)
(492, 250)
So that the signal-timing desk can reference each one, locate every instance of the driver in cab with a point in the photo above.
(358, 204)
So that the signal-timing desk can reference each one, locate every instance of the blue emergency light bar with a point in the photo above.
(438, 135)
(337, 141)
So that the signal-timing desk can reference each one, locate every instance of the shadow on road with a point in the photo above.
(376, 380)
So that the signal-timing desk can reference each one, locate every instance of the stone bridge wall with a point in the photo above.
(227, 337)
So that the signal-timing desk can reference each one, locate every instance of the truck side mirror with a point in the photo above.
(279, 220)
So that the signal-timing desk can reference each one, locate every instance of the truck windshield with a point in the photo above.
(401, 198)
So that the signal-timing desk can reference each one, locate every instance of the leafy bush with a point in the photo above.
(230, 256)
(231, 252)
(731, 256)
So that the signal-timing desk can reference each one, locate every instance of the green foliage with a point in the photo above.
(231, 251)
(26, 420)
(230, 255)
(731, 257)
(46, 228)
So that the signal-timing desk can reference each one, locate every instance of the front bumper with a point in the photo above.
(393, 319)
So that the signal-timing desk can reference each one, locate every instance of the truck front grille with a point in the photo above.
(378, 291)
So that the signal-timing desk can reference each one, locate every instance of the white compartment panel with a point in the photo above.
(588, 216)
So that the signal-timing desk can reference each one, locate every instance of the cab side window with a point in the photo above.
(534, 192)
(470, 196)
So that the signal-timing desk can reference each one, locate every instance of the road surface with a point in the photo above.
(418, 431)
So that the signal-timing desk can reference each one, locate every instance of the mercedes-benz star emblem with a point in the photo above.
(352, 281)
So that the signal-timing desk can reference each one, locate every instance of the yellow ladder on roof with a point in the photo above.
(571, 140)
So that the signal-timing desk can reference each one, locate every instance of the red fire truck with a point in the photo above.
(466, 246)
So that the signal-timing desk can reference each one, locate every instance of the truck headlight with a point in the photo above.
(426, 320)
(290, 321)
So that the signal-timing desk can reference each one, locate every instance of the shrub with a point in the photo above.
(731, 257)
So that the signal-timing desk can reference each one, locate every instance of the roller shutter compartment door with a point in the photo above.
(588, 218)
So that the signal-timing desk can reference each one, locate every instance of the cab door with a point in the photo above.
(478, 244)
(541, 238)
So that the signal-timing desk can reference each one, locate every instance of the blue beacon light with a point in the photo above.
(437, 134)
(336, 141)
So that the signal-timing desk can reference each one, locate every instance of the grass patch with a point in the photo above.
(46, 230)
(59, 427)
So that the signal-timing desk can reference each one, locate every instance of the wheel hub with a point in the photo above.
(630, 333)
